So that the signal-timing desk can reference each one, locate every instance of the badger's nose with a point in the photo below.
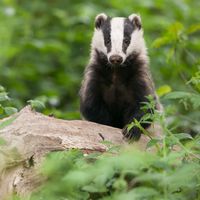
(115, 59)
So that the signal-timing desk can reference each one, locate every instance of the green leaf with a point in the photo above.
(36, 104)
(195, 81)
(1, 109)
(177, 95)
(195, 100)
(152, 142)
(120, 184)
(10, 110)
(92, 188)
(181, 136)
(193, 28)
(185, 98)
(172, 34)
(4, 96)
(170, 54)
(161, 42)
(130, 126)
(138, 193)
(175, 30)
(143, 192)
(2, 89)
(165, 89)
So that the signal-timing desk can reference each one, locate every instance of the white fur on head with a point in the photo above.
(137, 44)
(117, 36)
(98, 41)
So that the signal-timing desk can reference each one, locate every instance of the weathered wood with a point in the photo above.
(31, 135)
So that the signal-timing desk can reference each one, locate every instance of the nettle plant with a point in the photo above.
(170, 139)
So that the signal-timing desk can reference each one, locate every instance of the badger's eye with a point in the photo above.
(126, 41)
(108, 41)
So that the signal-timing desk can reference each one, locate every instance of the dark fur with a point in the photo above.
(112, 95)
(128, 29)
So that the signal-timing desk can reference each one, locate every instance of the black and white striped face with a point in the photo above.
(118, 37)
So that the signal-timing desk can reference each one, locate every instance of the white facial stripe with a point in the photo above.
(98, 41)
(137, 43)
(117, 35)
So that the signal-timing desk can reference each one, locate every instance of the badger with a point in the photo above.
(117, 79)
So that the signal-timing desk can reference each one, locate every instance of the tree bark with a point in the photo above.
(30, 135)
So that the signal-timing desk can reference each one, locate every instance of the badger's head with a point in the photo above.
(118, 38)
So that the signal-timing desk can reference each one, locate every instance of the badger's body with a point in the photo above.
(117, 79)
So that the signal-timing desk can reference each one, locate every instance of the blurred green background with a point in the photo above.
(44, 48)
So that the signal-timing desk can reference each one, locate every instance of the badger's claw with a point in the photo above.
(133, 134)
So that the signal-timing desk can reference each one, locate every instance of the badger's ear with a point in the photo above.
(100, 19)
(136, 20)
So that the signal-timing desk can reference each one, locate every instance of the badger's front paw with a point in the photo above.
(133, 134)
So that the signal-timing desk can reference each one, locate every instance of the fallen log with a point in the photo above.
(29, 135)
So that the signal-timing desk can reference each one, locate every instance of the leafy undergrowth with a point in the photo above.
(171, 171)
(129, 174)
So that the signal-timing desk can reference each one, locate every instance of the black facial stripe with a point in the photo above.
(128, 30)
(106, 29)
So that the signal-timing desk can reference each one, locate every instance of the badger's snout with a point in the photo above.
(115, 59)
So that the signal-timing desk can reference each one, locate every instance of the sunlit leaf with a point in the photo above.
(193, 28)
(1, 109)
(165, 89)
(161, 41)
(175, 30)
